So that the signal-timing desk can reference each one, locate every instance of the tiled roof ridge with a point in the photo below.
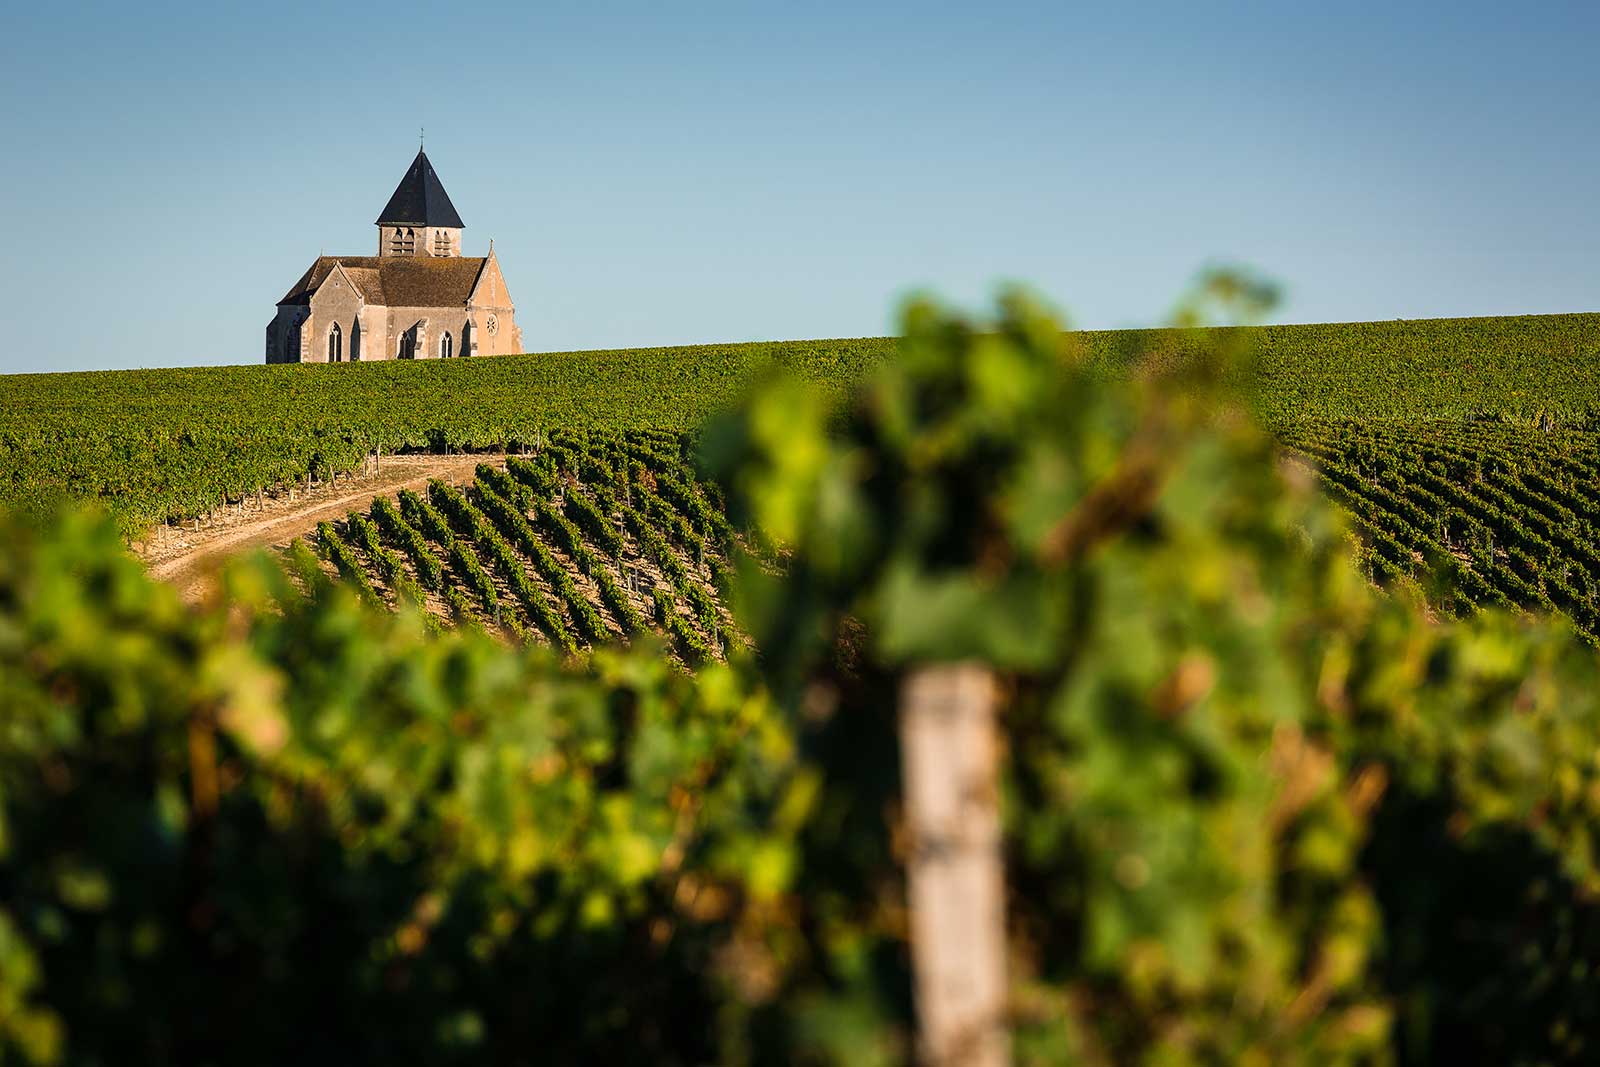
(402, 281)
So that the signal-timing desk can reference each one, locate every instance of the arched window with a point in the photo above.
(355, 341)
(403, 242)
(335, 345)
(446, 346)
(408, 345)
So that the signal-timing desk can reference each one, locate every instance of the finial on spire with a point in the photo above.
(421, 136)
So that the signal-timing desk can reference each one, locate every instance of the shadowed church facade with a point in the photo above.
(418, 298)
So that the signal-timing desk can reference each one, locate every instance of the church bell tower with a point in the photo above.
(419, 219)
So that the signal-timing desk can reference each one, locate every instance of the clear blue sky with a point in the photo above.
(666, 174)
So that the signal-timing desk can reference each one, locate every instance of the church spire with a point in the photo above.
(420, 199)
(419, 219)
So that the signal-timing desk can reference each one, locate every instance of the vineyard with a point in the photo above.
(1481, 515)
(589, 541)
(1535, 370)
(1532, 370)
(1241, 806)
(155, 445)
(170, 444)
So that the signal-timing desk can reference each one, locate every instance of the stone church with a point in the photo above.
(418, 298)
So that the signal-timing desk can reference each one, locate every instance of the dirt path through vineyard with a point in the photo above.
(188, 558)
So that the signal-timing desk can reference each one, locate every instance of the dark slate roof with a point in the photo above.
(397, 281)
(420, 199)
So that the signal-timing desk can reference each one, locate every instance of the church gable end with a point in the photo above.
(337, 288)
(492, 314)
(334, 326)
(489, 290)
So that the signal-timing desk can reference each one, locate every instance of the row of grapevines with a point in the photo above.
(684, 639)
(397, 529)
(519, 544)
(344, 560)
(607, 472)
(387, 562)
(495, 497)
(1503, 515)
(469, 522)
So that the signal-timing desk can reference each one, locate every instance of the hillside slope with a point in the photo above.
(1519, 368)
(174, 443)
(1399, 417)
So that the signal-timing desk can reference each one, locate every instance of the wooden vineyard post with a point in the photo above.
(955, 883)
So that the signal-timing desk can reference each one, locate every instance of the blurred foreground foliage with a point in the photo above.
(1257, 812)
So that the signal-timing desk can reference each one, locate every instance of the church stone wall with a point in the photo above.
(490, 298)
(378, 330)
(430, 323)
(282, 335)
(336, 302)
(506, 340)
